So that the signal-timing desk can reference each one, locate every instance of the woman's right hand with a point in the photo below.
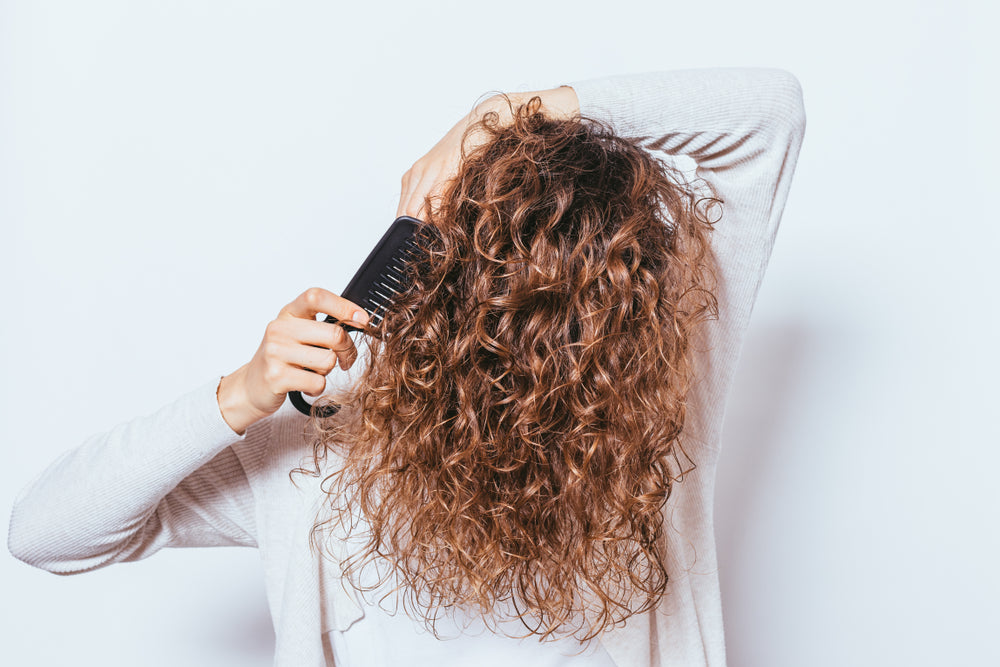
(296, 354)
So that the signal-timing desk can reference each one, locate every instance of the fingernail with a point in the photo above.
(361, 316)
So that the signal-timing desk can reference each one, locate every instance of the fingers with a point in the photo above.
(331, 344)
(316, 359)
(407, 186)
(318, 300)
(415, 185)
(417, 203)
(416, 188)
(307, 382)
(319, 346)
(429, 174)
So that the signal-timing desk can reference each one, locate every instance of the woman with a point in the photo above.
(524, 469)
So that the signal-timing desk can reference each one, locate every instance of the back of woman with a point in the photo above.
(523, 469)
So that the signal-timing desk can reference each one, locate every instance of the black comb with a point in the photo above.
(381, 276)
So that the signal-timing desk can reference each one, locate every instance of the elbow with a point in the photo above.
(37, 554)
(788, 111)
(44, 549)
(25, 545)
(779, 115)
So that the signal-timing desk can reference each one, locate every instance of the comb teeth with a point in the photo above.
(381, 277)
(388, 282)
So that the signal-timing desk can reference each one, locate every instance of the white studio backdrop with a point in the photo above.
(172, 174)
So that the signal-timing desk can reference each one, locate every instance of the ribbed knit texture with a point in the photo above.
(180, 477)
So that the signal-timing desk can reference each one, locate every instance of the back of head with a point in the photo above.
(518, 426)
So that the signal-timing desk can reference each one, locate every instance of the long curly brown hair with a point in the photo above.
(516, 429)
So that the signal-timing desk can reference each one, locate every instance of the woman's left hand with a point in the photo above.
(428, 175)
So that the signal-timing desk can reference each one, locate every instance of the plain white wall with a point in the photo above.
(174, 173)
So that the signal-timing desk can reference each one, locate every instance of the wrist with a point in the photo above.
(234, 404)
(561, 103)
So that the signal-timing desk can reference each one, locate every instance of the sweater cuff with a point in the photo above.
(181, 436)
(207, 430)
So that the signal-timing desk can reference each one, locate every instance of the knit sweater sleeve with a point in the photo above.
(743, 128)
(167, 479)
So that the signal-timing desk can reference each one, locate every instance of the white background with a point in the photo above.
(173, 173)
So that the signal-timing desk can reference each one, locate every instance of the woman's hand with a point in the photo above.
(297, 353)
(428, 175)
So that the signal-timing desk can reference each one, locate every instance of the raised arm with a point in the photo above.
(743, 127)
(168, 479)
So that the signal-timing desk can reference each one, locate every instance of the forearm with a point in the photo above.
(93, 505)
(723, 118)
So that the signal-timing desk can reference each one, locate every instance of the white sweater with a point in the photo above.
(180, 477)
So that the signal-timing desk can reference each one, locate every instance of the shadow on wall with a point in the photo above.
(242, 632)
(252, 635)
(772, 376)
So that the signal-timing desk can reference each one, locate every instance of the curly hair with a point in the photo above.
(516, 429)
